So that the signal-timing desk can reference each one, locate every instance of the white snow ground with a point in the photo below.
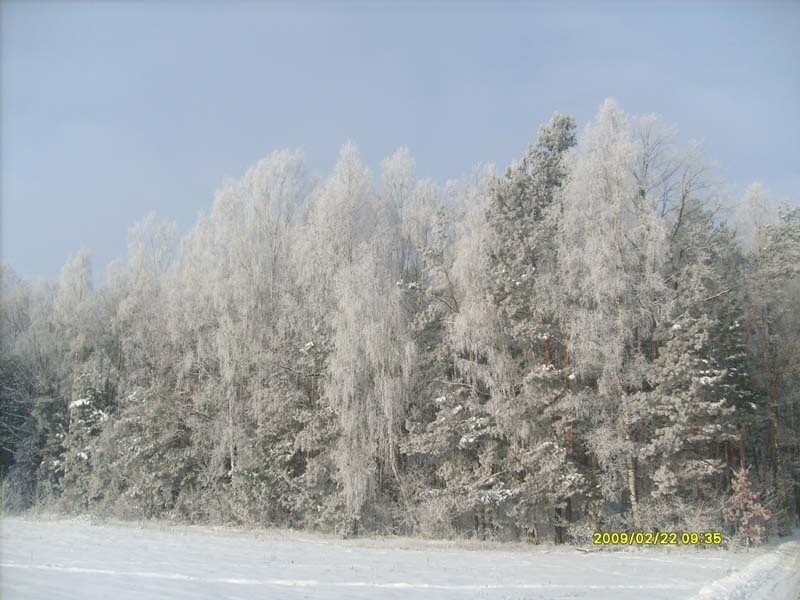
(50, 559)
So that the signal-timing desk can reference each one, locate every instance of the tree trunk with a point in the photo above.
(400, 484)
(231, 447)
(631, 476)
(630, 465)
(559, 529)
(742, 460)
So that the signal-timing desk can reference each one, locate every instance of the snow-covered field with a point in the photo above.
(76, 559)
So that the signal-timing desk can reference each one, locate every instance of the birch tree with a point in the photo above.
(613, 246)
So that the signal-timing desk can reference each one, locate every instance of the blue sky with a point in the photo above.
(113, 109)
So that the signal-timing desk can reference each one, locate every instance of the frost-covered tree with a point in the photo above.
(772, 300)
(752, 217)
(613, 248)
(698, 387)
(239, 340)
(368, 377)
(524, 218)
(579, 342)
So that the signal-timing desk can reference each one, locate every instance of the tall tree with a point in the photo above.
(613, 249)
(524, 218)
(772, 292)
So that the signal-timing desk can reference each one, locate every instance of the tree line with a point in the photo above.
(588, 341)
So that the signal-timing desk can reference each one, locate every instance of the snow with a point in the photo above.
(78, 559)
(770, 576)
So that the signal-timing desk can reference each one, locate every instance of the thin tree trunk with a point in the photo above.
(559, 529)
(631, 473)
(742, 460)
(400, 484)
(630, 469)
(231, 448)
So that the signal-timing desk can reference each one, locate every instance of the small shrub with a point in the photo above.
(745, 511)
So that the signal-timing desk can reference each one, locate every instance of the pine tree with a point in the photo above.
(772, 291)
(698, 378)
(524, 218)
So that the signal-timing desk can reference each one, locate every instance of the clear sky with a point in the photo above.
(113, 109)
